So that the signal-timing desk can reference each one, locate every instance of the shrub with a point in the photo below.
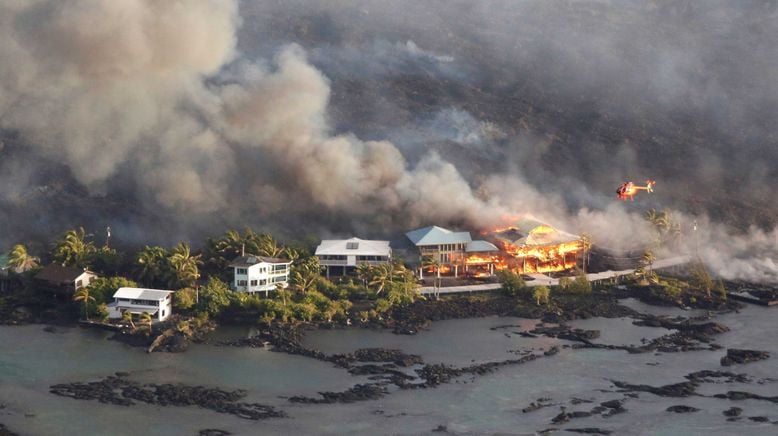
(184, 298)
(512, 283)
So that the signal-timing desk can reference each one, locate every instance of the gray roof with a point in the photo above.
(434, 235)
(480, 246)
(142, 294)
(251, 260)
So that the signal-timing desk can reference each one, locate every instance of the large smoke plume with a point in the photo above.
(168, 119)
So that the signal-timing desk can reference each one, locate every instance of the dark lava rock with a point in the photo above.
(386, 355)
(213, 432)
(733, 411)
(739, 395)
(736, 356)
(683, 389)
(682, 409)
(4, 431)
(759, 418)
(589, 430)
(567, 416)
(360, 392)
(123, 392)
(551, 351)
(708, 376)
(440, 429)
(613, 404)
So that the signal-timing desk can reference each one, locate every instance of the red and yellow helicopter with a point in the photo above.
(628, 190)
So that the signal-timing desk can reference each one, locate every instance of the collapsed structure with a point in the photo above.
(526, 247)
(535, 247)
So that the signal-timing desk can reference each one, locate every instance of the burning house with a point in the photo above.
(534, 247)
(445, 252)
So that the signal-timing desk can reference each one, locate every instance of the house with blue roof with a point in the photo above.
(451, 250)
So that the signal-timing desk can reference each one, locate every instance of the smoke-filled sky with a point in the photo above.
(177, 119)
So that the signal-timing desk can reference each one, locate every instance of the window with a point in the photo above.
(278, 279)
(163, 313)
(263, 282)
(79, 284)
(241, 271)
(263, 270)
(352, 245)
(242, 282)
(253, 283)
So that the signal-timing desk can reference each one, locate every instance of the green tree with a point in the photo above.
(184, 298)
(20, 260)
(580, 284)
(185, 265)
(103, 288)
(268, 246)
(305, 274)
(541, 293)
(432, 262)
(82, 294)
(214, 297)
(381, 275)
(564, 284)
(152, 266)
(127, 318)
(701, 278)
(364, 273)
(512, 283)
(74, 249)
(147, 321)
(647, 260)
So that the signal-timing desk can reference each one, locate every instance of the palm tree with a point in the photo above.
(20, 260)
(305, 273)
(74, 249)
(648, 259)
(127, 318)
(152, 265)
(269, 247)
(364, 272)
(282, 293)
(431, 261)
(185, 266)
(146, 318)
(381, 275)
(82, 294)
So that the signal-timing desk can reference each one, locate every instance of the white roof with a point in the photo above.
(434, 235)
(353, 246)
(141, 294)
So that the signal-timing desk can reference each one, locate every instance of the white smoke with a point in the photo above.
(157, 90)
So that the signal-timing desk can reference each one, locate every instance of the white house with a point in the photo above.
(343, 255)
(259, 274)
(156, 302)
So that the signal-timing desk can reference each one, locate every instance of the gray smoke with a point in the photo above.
(175, 118)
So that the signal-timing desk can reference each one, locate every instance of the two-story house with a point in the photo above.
(156, 302)
(341, 256)
(259, 274)
(451, 250)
